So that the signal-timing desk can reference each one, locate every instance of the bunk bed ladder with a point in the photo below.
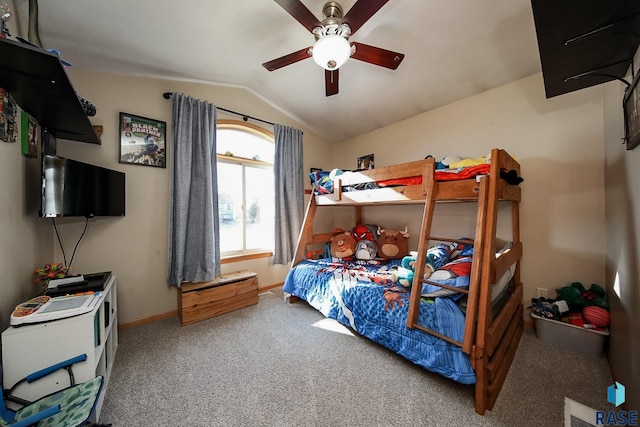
(425, 238)
(478, 268)
(429, 188)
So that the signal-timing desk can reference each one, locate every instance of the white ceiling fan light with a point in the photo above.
(331, 51)
(332, 48)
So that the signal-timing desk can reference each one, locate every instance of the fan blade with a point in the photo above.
(377, 56)
(361, 12)
(300, 12)
(331, 82)
(287, 59)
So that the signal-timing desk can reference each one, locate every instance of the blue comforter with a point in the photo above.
(363, 296)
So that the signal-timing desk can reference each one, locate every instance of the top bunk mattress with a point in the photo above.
(323, 182)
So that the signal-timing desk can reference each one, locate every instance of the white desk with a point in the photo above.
(27, 349)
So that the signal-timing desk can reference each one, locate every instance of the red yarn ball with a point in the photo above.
(597, 316)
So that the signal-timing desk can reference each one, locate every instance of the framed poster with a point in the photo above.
(142, 141)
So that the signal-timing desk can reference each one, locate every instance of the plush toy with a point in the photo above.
(392, 244)
(366, 249)
(578, 297)
(404, 274)
(364, 232)
(342, 244)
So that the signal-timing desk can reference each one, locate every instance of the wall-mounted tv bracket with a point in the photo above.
(596, 72)
(599, 31)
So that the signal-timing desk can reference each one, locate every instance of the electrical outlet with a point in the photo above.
(541, 292)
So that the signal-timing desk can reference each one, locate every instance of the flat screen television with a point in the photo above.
(73, 188)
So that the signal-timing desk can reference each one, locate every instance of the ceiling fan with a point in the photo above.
(332, 48)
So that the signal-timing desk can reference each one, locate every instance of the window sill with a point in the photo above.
(245, 257)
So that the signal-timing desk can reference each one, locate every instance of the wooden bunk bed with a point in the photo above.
(490, 339)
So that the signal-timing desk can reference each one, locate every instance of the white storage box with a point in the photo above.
(576, 338)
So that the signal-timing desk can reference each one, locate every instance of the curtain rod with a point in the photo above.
(245, 117)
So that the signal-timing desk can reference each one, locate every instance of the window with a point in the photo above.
(245, 188)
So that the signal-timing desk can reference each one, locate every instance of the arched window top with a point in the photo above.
(244, 140)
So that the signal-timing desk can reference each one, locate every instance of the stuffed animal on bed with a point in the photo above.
(365, 237)
(364, 232)
(366, 250)
(392, 244)
(404, 274)
(342, 244)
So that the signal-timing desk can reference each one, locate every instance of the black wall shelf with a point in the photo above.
(40, 86)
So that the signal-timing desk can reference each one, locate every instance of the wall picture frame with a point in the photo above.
(365, 162)
(631, 108)
(142, 141)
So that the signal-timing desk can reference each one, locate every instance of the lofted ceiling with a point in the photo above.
(454, 49)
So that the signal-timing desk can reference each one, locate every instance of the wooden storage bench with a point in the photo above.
(202, 300)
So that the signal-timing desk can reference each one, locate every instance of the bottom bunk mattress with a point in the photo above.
(363, 296)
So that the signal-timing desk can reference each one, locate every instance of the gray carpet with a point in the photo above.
(278, 364)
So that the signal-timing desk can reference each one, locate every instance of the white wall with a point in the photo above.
(135, 247)
(622, 177)
(26, 242)
(559, 143)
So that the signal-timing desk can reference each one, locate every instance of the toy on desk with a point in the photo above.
(45, 309)
(31, 306)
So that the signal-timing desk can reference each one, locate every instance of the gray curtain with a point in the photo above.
(289, 177)
(194, 243)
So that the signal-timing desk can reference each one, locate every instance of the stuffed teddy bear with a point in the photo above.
(342, 244)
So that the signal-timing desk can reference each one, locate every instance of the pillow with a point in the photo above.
(455, 273)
